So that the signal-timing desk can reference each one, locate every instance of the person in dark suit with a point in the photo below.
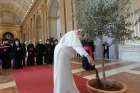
(39, 52)
(53, 45)
(6, 55)
(1, 56)
(17, 54)
(106, 50)
(23, 53)
(47, 55)
(31, 54)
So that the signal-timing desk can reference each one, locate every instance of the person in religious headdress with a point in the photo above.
(63, 53)
(31, 54)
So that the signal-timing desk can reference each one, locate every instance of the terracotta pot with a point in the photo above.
(92, 89)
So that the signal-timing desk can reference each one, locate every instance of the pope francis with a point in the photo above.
(64, 51)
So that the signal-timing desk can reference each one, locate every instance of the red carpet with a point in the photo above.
(39, 79)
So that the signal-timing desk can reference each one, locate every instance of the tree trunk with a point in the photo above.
(103, 65)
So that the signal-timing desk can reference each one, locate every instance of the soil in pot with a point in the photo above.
(106, 85)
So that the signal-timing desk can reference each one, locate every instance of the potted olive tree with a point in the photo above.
(105, 18)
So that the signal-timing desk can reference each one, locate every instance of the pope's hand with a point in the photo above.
(90, 59)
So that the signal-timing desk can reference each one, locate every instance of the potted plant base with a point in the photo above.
(108, 86)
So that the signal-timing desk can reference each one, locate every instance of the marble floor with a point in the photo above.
(127, 72)
(7, 82)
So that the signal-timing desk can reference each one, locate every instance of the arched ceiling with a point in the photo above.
(7, 17)
(18, 7)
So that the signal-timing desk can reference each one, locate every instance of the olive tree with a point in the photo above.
(105, 18)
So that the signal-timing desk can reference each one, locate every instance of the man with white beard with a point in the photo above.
(63, 78)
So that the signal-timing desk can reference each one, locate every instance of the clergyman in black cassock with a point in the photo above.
(39, 53)
(47, 55)
(1, 57)
(17, 55)
(31, 54)
(6, 55)
(23, 54)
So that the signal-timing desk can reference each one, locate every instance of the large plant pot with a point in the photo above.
(92, 86)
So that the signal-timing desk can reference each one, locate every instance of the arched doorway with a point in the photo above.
(39, 28)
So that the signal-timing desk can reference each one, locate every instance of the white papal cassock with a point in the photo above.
(63, 78)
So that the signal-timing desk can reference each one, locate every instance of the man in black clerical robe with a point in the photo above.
(52, 45)
(31, 54)
(39, 52)
(1, 56)
(6, 55)
(47, 55)
(17, 55)
(23, 54)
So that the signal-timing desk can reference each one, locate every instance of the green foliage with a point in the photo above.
(104, 17)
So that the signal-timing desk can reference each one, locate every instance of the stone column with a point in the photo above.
(63, 16)
(66, 10)
(34, 29)
(44, 21)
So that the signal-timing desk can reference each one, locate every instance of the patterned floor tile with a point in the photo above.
(9, 90)
(137, 69)
(122, 71)
(132, 81)
(109, 67)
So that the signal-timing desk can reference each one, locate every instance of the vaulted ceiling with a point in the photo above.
(19, 8)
